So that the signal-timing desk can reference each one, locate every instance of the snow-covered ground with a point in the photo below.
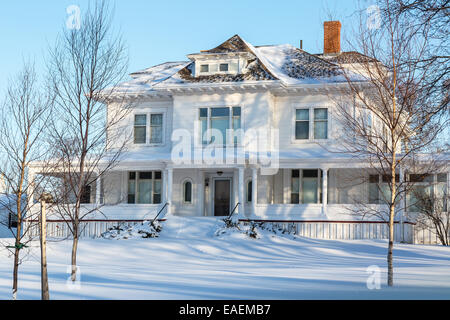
(188, 262)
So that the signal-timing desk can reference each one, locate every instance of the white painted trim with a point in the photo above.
(311, 107)
(148, 112)
(183, 201)
(213, 190)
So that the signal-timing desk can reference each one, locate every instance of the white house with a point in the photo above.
(243, 129)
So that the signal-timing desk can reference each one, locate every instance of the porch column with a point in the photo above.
(201, 192)
(98, 188)
(241, 192)
(169, 190)
(254, 189)
(324, 190)
(164, 186)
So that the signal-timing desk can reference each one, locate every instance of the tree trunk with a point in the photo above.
(390, 257)
(17, 252)
(391, 247)
(15, 272)
(45, 295)
(73, 275)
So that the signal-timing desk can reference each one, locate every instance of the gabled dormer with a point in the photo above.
(232, 58)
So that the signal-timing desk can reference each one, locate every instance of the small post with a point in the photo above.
(45, 295)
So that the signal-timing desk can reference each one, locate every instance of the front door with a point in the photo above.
(222, 197)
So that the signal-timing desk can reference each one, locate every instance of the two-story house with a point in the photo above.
(244, 129)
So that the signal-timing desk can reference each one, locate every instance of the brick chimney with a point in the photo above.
(331, 37)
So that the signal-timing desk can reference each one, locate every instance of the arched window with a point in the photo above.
(187, 191)
(248, 197)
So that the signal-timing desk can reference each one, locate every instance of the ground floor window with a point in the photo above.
(427, 193)
(380, 188)
(187, 191)
(249, 191)
(306, 186)
(144, 187)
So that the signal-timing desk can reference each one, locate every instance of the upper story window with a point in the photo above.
(216, 67)
(311, 123)
(219, 125)
(148, 128)
(140, 128)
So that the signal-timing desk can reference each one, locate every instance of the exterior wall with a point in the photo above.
(179, 206)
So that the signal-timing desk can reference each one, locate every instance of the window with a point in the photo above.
(309, 186)
(304, 123)
(306, 186)
(85, 195)
(144, 187)
(380, 189)
(320, 123)
(204, 68)
(223, 67)
(295, 186)
(373, 189)
(204, 125)
(249, 191)
(156, 123)
(140, 128)
(187, 192)
(220, 120)
(155, 132)
(428, 193)
(236, 122)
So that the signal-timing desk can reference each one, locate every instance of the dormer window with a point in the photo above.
(223, 67)
(216, 67)
(204, 68)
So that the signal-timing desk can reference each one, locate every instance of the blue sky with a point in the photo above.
(159, 31)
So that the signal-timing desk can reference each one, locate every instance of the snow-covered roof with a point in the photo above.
(281, 63)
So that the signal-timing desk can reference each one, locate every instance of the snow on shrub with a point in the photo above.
(146, 229)
(252, 229)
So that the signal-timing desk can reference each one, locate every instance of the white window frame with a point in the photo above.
(136, 188)
(230, 124)
(183, 200)
(199, 63)
(311, 108)
(148, 114)
(300, 186)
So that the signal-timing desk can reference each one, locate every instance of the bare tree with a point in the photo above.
(24, 117)
(392, 111)
(83, 65)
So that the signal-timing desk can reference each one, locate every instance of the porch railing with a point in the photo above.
(160, 211)
(232, 212)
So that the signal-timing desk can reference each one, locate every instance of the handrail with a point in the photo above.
(165, 205)
(237, 204)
